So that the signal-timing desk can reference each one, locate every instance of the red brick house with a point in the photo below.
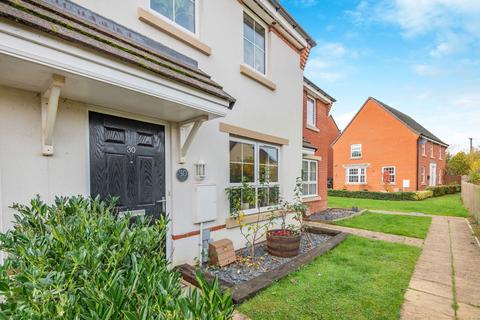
(332, 134)
(383, 149)
(316, 107)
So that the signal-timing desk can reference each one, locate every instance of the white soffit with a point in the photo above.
(28, 59)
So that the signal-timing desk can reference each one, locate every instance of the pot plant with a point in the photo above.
(285, 241)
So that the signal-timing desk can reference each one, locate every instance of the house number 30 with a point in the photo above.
(131, 149)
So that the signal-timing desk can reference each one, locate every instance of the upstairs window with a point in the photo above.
(310, 177)
(182, 12)
(424, 149)
(424, 176)
(432, 155)
(253, 44)
(440, 152)
(355, 151)
(311, 112)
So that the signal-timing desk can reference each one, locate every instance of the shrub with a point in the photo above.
(76, 260)
(446, 189)
(396, 196)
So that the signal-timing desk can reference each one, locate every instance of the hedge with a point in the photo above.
(447, 189)
(396, 196)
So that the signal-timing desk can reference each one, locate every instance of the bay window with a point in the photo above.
(253, 43)
(356, 175)
(182, 12)
(257, 164)
(310, 177)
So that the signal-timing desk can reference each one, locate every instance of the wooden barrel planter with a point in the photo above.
(283, 245)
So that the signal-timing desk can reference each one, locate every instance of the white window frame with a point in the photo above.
(432, 150)
(356, 146)
(311, 182)
(394, 174)
(440, 152)
(175, 24)
(256, 184)
(424, 149)
(424, 175)
(439, 179)
(265, 27)
(359, 168)
(314, 124)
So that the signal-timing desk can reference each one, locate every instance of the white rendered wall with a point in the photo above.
(25, 172)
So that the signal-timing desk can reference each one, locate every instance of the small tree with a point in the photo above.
(386, 179)
(458, 165)
(240, 199)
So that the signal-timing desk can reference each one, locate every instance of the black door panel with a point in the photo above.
(127, 160)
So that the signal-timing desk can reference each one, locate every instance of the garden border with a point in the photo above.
(356, 214)
(242, 291)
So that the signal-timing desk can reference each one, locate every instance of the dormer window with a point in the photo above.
(253, 44)
(182, 12)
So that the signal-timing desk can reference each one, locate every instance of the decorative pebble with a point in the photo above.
(239, 272)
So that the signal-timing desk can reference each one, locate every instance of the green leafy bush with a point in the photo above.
(422, 195)
(396, 196)
(76, 260)
(446, 189)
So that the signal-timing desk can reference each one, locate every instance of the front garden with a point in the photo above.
(360, 279)
(409, 226)
(448, 205)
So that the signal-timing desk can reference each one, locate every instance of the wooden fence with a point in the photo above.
(471, 198)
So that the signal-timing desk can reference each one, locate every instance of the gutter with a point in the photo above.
(418, 161)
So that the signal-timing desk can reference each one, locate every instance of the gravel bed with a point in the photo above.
(331, 214)
(239, 272)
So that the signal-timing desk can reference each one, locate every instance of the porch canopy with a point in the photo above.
(58, 48)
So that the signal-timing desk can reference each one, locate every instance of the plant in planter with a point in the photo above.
(241, 198)
(285, 241)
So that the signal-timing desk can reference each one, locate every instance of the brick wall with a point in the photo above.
(385, 142)
(426, 160)
(332, 133)
(319, 138)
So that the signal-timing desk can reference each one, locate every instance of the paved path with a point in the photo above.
(371, 234)
(446, 275)
(446, 280)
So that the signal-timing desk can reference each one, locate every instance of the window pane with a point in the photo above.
(268, 155)
(248, 28)
(185, 14)
(313, 171)
(248, 53)
(273, 173)
(310, 112)
(274, 195)
(164, 7)
(259, 60)
(262, 197)
(248, 153)
(235, 172)
(259, 36)
(249, 172)
(313, 188)
(305, 189)
(235, 151)
(304, 170)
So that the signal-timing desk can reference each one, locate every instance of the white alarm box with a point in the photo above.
(205, 201)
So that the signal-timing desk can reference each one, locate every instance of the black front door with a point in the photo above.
(127, 160)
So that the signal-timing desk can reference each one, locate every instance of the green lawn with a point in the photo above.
(449, 205)
(360, 279)
(409, 226)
